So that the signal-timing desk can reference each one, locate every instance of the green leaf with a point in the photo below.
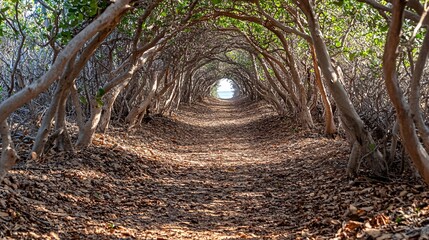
(420, 35)
(82, 99)
(100, 102)
(99, 96)
(338, 44)
(3, 10)
(399, 219)
(215, 2)
(101, 92)
(339, 3)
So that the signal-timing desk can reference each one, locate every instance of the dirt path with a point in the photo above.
(216, 171)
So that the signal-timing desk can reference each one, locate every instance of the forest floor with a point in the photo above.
(216, 170)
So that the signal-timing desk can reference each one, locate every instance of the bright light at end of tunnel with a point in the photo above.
(225, 85)
(225, 90)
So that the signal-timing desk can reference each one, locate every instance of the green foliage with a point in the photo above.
(353, 31)
(99, 97)
(2, 20)
(213, 90)
(1, 93)
(399, 219)
(216, 2)
(76, 12)
(241, 57)
(82, 99)
(57, 19)
(101, 92)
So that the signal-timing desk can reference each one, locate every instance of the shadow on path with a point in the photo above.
(218, 170)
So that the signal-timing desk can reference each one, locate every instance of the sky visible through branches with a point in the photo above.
(225, 89)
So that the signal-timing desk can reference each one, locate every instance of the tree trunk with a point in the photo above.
(283, 96)
(361, 139)
(303, 108)
(415, 92)
(34, 89)
(8, 156)
(139, 109)
(168, 102)
(117, 84)
(264, 91)
(108, 107)
(78, 108)
(410, 140)
(45, 128)
(63, 141)
(329, 116)
(87, 133)
(394, 143)
(65, 84)
(11, 104)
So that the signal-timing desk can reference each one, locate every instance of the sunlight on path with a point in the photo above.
(241, 171)
(217, 170)
(227, 136)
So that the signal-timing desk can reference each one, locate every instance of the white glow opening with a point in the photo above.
(224, 89)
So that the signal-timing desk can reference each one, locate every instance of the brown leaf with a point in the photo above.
(352, 225)
(54, 235)
(2, 203)
(385, 237)
(374, 233)
(4, 214)
(352, 209)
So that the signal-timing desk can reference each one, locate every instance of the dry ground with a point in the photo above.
(218, 170)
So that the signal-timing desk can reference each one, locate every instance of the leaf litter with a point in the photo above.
(216, 170)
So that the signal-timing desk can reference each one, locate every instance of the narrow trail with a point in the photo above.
(217, 170)
(244, 174)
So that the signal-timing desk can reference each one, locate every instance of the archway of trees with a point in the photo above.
(359, 67)
(71, 69)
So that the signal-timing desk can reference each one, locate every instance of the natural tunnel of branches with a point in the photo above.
(358, 68)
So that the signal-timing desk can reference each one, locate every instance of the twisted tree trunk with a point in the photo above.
(361, 140)
(139, 109)
(11, 104)
(407, 128)
(34, 89)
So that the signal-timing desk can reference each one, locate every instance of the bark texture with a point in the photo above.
(407, 127)
(360, 138)
(8, 156)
